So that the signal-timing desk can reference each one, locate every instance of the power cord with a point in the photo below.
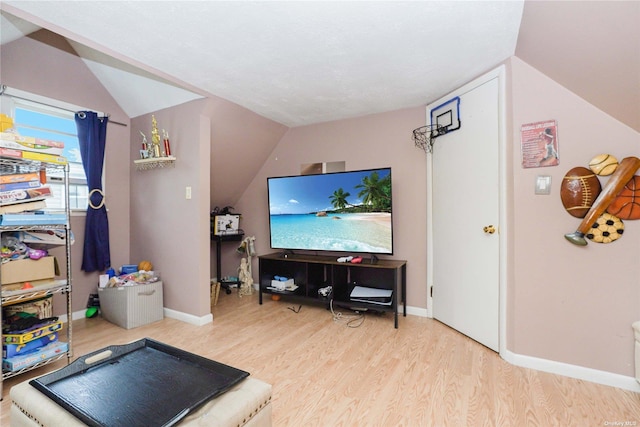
(351, 320)
(296, 311)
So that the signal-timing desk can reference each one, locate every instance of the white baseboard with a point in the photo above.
(572, 371)
(558, 368)
(74, 316)
(414, 311)
(188, 318)
(184, 317)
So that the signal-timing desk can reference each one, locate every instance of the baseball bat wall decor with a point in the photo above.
(625, 170)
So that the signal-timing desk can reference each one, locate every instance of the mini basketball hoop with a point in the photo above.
(444, 118)
(424, 136)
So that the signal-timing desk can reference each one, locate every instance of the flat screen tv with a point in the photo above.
(336, 212)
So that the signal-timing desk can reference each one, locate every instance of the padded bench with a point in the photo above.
(248, 403)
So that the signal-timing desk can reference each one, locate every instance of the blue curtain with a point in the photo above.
(92, 134)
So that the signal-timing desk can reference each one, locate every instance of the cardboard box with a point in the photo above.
(29, 140)
(26, 218)
(24, 185)
(47, 352)
(13, 350)
(30, 155)
(6, 122)
(128, 269)
(41, 308)
(132, 306)
(31, 335)
(33, 144)
(17, 196)
(27, 270)
(20, 177)
(226, 224)
(282, 285)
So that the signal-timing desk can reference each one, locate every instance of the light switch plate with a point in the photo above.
(543, 184)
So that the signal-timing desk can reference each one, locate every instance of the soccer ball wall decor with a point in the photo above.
(602, 207)
(606, 229)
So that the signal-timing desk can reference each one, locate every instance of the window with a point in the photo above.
(42, 120)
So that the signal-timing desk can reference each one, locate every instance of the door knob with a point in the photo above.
(489, 229)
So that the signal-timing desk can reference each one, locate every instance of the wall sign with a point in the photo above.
(539, 144)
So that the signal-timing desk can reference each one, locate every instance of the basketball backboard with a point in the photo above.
(446, 117)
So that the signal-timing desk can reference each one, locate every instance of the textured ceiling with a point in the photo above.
(296, 63)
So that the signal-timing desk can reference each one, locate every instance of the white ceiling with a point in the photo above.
(297, 62)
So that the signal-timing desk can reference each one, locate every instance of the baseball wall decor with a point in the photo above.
(603, 164)
(623, 173)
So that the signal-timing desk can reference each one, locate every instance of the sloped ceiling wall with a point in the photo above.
(591, 48)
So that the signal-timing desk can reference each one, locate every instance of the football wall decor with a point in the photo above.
(579, 189)
(625, 170)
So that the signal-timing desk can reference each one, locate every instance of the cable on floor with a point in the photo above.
(351, 320)
(295, 310)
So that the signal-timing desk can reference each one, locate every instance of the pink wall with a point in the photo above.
(219, 146)
(567, 303)
(377, 140)
(241, 142)
(44, 64)
(167, 228)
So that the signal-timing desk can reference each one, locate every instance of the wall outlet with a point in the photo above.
(187, 193)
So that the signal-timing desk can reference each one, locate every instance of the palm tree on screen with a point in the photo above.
(339, 198)
(375, 192)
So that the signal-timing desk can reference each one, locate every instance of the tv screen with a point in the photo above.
(337, 212)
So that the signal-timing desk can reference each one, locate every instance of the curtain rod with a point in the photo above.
(3, 88)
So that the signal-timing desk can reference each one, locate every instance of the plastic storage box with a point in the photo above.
(132, 306)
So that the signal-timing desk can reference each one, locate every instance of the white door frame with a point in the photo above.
(500, 74)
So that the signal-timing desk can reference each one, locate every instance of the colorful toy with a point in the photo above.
(145, 265)
(13, 248)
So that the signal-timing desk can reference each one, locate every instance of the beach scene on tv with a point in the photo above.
(342, 212)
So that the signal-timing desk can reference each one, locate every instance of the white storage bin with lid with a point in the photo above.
(132, 306)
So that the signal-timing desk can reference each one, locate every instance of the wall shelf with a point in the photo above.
(154, 163)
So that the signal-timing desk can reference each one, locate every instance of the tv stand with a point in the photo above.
(314, 272)
(287, 253)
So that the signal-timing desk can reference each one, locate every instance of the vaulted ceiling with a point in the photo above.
(299, 63)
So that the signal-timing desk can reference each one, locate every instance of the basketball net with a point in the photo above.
(425, 136)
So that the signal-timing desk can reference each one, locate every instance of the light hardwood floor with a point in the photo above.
(325, 373)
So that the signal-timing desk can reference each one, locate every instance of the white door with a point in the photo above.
(464, 210)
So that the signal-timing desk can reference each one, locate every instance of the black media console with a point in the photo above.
(311, 273)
